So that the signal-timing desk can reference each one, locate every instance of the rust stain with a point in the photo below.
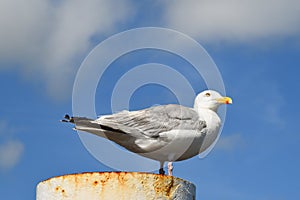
(105, 178)
(95, 183)
(59, 189)
(121, 178)
(169, 187)
(76, 181)
(163, 185)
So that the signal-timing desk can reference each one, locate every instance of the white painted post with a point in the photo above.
(115, 186)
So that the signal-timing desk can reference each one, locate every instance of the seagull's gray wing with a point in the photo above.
(152, 121)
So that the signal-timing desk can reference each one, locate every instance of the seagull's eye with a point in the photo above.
(207, 94)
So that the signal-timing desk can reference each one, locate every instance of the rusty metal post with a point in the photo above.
(115, 185)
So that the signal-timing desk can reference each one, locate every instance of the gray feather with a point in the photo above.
(152, 121)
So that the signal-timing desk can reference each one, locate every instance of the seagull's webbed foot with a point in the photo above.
(162, 171)
(170, 168)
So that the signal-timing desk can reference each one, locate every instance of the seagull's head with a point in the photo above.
(210, 99)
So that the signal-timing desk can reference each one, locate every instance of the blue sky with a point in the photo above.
(255, 44)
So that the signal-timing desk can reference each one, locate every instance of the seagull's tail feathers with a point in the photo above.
(96, 128)
(84, 124)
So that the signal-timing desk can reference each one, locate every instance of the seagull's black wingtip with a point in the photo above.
(67, 118)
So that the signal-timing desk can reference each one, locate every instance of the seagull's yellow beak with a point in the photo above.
(225, 100)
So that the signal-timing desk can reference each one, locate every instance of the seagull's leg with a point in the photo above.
(161, 169)
(170, 168)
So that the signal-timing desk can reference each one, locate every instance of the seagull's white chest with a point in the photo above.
(213, 124)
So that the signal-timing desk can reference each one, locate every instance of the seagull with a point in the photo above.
(166, 133)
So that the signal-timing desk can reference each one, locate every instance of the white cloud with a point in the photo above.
(229, 142)
(47, 37)
(10, 154)
(234, 20)
(11, 149)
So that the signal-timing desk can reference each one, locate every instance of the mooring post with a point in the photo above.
(115, 185)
